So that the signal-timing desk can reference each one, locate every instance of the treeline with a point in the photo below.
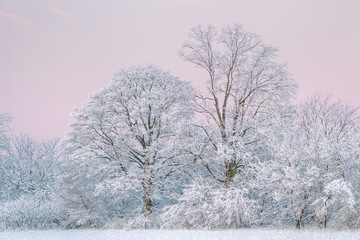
(150, 151)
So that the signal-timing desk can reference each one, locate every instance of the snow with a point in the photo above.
(178, 235)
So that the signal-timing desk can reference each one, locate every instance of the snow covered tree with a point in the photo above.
(246, 100)
(127, 140)
(313, 160)
(247, 93)
(28, 173)
(329, 126)
(337, 203)
(29, 166)
(77, 197)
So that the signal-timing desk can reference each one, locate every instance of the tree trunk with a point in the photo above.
(147, 185)
(228, 175)
(229, 172)
(147, 204)
(298, 221)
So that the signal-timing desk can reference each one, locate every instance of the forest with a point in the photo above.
(150, 151)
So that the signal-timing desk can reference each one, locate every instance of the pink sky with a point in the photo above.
(54, 52)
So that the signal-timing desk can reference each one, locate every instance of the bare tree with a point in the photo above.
(246, 91)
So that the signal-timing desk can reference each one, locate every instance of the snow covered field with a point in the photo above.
(178, 235)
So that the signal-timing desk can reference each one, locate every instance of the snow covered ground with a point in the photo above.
(178, 235)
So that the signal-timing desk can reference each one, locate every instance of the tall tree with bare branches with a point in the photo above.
(247, 94)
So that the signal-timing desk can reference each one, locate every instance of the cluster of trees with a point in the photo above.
(150, 151)
(29, 173)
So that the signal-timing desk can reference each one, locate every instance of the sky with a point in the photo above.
(53, 53)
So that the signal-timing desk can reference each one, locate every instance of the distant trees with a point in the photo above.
(315, 163)
(5, 131)
(4, 148)
(28, 181)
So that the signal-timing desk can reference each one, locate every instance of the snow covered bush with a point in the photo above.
(30, 212)
(205, 204)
